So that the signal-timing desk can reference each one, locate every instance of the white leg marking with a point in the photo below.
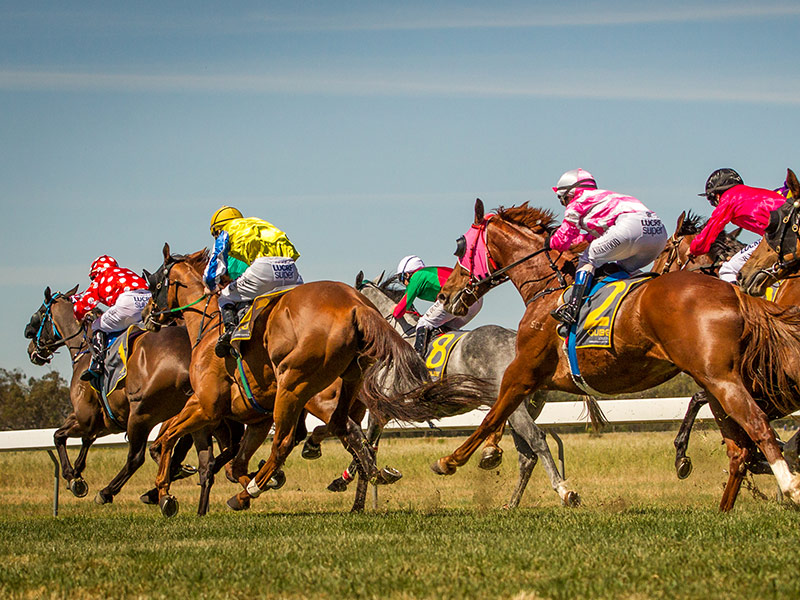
(253, 489)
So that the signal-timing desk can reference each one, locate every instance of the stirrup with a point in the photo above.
(567, 313)
(223, 347)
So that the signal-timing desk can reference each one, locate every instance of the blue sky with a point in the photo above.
(365, 130)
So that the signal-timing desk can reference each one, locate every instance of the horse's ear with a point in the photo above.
(478, 210)
(379, 280)
(794, 185)
(166, 252)
(681, 219)
(72, 292)
(48, 295)
(734, 235)
(359, 279)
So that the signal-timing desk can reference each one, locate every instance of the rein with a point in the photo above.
(59, 340)
(166, 311)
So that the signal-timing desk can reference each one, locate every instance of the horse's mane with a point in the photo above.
(391, 288)
(535, 219)
(197, 260)
(692, 224)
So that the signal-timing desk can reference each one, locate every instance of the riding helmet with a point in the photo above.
(576, 179)
(100, 264)
(223, 215)
(409, 264)
(720, 181)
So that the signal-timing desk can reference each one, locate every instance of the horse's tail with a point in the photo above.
(770, 347)
(397, 384)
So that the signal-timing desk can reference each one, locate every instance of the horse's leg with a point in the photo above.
(205, 458)
(492, 453)
(683, 464)
(229, 436)
(138, 431)
(312, 449)
(518, 383)
(737, 404)
(192, 418)
(287, 410)
(253, 438)
(531, 445)
(73, 428)
(737, 444)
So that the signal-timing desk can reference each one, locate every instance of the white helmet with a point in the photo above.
(576, 179)
(409, 264)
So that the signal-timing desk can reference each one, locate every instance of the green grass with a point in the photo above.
(640, 533)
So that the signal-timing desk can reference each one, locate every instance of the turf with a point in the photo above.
(640, 533)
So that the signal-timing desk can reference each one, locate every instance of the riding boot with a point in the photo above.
(567, 313)
(229, 322)
(421, 341)
(98, 350)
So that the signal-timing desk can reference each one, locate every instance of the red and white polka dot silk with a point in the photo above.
(107, 286)
(101, 263)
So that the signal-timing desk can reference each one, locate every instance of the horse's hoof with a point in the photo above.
(572, 499)
(491, 458)
(388, 476)
(440, 469)
(276, 482)
(338, 485)
(184, 472)
(683, 467)
(102, 498)
(169, 506)
(311, 451)
(150, 497)
(79, 487)
(235, 503)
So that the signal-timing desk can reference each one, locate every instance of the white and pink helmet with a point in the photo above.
(576, 179)
(409, 264)
(100, 264)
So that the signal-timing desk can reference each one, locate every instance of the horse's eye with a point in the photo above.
(461, 247)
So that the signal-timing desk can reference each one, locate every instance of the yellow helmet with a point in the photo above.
(223, 215)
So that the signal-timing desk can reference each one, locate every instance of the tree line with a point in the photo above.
(31, 402)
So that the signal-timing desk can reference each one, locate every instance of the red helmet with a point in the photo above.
(100, 264)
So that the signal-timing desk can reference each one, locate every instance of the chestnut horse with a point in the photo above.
(319, 337)
(740, 350)
(155, 389)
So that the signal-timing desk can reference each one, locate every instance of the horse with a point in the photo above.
(319, 337)
(485, 351)
(154, 390)
(739, 349)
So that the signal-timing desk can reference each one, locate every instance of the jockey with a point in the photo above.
(426, 283)
(619, 229)
(257, 256)
(126, 295)
(736, 203)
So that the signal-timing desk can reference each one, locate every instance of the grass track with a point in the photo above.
(641, 533)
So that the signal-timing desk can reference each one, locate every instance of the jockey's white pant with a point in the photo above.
(633, 241)
(127, 311)
(266, 274)
(436, 316)
(729, 270)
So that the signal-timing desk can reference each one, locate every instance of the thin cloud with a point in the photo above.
(406, 84)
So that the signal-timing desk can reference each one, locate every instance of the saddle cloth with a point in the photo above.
(115, 367)
(595, 324)
(439, 350)
(244, 329)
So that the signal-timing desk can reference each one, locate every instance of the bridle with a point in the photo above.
(477, 287)
(159, 288)
(44, 349)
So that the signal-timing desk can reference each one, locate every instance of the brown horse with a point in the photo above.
(320, 337)
(155, 389)
(739, 349)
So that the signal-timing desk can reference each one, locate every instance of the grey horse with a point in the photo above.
(485, 352)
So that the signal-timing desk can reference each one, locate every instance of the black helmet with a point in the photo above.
(720, 181)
